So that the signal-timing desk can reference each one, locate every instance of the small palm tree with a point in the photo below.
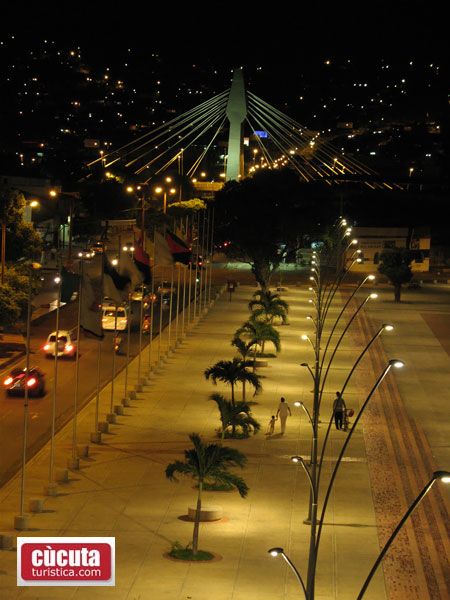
(232, 372)
(244, 349)
(208, 461)
(269, 306)
(259, 333)
(236, 416)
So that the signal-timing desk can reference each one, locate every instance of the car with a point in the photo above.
(65, 346)
(136, 296)
(18, 378)
(96, 248)
(114, 318)
(85, 254)
(165, 287)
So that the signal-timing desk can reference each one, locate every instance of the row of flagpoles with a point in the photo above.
(183, 256)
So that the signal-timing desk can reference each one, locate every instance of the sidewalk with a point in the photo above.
(121, 489)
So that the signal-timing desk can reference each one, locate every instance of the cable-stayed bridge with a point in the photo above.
(281, 141)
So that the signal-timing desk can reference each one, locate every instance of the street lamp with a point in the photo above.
(164, 191)
(443, 476)
(280, 552)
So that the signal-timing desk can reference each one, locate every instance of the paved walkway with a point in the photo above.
(121, 489)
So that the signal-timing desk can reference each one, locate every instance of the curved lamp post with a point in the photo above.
(280, 552)
(444, 476)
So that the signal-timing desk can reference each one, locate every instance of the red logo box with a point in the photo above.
(65, 561)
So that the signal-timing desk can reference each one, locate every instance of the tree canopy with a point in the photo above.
(264, 219)
(396, 265)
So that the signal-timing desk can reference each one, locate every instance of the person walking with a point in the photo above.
(283, 412)
(271, 426)
(338, 411)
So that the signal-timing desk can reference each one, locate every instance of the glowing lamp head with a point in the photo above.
(297, 404)
(275, 551)
(354, 242)
(311, 278)
(444, 476)
(57, 279)
(387, 327)
(130, 189)
(373, 296)
(304, 337)
(114, 262)
(359, 260)
(296, 459)
(398, 364)
(371, 277)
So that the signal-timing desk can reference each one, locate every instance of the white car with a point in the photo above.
(65, 346)
(109, 318)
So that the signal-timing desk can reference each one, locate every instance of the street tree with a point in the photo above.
(258, 333)
(263, 220)
(206, 462)
(236, 416)
(396, 265)
(9, 306)
(232, 372)
(268, 306)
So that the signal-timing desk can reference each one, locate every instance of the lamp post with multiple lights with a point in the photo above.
(328, 270)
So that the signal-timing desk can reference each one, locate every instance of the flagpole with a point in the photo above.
(125, 393)
(170, 307)
(211, 255)
(160, 327)
(152, 311)
(184, 301)
(96, 436)
(51, 487)
(21, 520)
(190, 295)
(141, 318)
(141, 311)
(196, 265)
(74, 462)
(200, 298)
(205, 295)
(111, 417)
(178, 303)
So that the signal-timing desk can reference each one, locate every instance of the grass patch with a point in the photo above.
(187, 554)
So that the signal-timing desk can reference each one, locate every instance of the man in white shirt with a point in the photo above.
(283, 412)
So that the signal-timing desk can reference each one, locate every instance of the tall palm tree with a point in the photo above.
(244, 349)
(259, 333)
(232, 372)
(236, 415)
(269, 306)
(210, 461)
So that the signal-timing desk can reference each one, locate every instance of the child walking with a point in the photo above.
(271, 426)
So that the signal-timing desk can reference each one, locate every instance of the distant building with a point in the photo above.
(373, 241)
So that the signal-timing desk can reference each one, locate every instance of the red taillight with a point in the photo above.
(47, 347)
(31, 382)
(68, 348)
(8, 381)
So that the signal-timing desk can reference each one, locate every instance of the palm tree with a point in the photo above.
(208, 461)
(236, 415)
(244, 349)
(232, 372)
(269, 305)
(259, 333)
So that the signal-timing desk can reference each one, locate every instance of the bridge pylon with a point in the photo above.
(236, 113)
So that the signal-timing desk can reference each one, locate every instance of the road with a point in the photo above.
(11, 409)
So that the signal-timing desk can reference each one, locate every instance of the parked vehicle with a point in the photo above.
(18, 380)
(114, 318)
(414, 285)
(65, 345)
